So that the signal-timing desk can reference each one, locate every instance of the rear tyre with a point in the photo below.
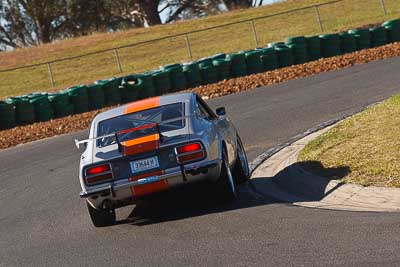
(241, 171)
(226, 187)
(101, 218)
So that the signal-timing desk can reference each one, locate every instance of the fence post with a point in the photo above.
(319, 18)
(118, 61)
(189, 49)
(53, 84)
(253, 27)
(384, 7)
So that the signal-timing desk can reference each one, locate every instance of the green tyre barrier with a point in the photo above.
(269, 58)
(177, 76)
(363, 38)
(347, 43)
(43, 109)
(24, 110)
(253, 61)
(67, 111)
(299, 52)
(192, 74)
(238, 64)
(78, 97)
(284, 54)
(392, 28)
(298, 44)
(112, 94)
(299, 40)
(223, 68)
(275, 44)
(149, 90)
(330, 45)
(7, 116)
(378, 36)
(95, 96)
(171, 66)
(60, 104)
(205, 63)
(313, 48)
(162, 81)
(131, 87)
(218, 56)
(209, 74)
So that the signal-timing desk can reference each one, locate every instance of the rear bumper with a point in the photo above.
(177, 176)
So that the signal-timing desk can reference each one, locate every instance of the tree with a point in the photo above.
(83, 17)
(235, 4)
(183, 9)
(149, 9)
(30, 22)
(174, 10)
(86, 16)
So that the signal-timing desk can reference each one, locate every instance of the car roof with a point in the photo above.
(144, 104)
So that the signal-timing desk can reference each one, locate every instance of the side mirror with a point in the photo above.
(220, 111)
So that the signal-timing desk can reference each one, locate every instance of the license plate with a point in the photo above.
(144, 164)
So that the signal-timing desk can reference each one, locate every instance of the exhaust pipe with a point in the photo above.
(107, 204)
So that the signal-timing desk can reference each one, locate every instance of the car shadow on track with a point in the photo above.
(200, 199)
(190, 201)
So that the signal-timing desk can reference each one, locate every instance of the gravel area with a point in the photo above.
(36, 131)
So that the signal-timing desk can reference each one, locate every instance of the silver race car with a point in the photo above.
(151, 145)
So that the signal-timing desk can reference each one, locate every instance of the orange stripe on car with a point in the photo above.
(140, 190)
(142, 105)
(140, 145)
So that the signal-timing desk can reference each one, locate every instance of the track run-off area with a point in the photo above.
(43, 222)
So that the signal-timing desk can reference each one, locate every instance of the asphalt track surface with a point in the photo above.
(44, 223)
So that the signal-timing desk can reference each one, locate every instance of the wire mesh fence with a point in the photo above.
(276, 28)
(145, 56)
(188, 46)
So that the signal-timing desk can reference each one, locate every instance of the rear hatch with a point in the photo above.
(149, 146)
(125, 165)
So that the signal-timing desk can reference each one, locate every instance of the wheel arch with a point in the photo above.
(221, 147)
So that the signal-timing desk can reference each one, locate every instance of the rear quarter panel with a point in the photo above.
(214, 133)
(204, 130)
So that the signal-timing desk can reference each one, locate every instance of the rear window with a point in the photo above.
(168, 117)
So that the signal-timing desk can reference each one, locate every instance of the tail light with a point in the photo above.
(190, 152)
(99, 173)
(188, 148)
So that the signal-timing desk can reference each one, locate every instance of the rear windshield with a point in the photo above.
(168, 117)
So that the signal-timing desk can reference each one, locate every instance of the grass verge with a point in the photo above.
(367, 143)
(334, 17)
